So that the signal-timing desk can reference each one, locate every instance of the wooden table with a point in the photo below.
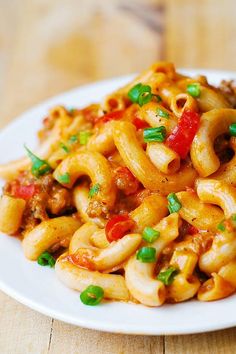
(50, 46)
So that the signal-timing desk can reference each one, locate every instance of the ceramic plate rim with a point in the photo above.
(96, 323)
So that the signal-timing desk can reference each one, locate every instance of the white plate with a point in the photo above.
(38, 288)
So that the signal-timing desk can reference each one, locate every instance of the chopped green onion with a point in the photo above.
(167, 276)
(194, 89)
(232, 129)
(140, 94)
(65, 148)
(146, 254)
(174, 204)
(64, 179)
(92, 295)
(83, 137)
(144, 98)
(150, 235)
(134, 93)
(162, 113)
(94, 190)
(73, 139)
(46, 259)
(39, 167)
(221, 226)
(154, 134)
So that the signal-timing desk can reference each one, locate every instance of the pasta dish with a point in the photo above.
(134, 198)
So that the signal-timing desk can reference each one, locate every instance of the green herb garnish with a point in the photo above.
(92, 295)
(167, 276)
(221, 226)
(174, 204)
(154, 134)
(46, 259)
(232, 129)
(73, 139)
(150, 235)
(39, 167)
(162, 113)
(140, 94)
(94, 190)
(83, 137)
(64, 147)
(64, 179)
(146, 254)
(194, 90)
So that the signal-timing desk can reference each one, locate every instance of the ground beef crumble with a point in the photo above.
(228, 89)
(49, 200)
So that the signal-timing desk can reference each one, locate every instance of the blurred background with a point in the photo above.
(48, 46)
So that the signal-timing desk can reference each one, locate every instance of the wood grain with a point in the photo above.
(22, 331)
(222, 342)
(201, 33)
(74, 340)
(58, 48)
(50, 46)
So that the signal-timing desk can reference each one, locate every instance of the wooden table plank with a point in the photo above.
(22, 331)
(73, 340)
(58, 48)
(7, 37)
(221, 342)
(201, 33)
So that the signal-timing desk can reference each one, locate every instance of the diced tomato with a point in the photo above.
(24, 191)
(118, 226)
(126, 181)
(182, 136)
(192, 230)
(116, 115)
(82, 258)
(113, 103)
(140, 123)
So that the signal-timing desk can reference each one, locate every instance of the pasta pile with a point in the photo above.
(133, 199)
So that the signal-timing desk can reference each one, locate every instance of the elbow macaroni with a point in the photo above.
(215, 288)
(201, 215)
(94, 165)
(11, 213)
(78, 279)
(150, 211)
(219, 193)
(140, 276)
(47, 234)
(185, 284)
(213, 124)
(222, 251)
(104, 196)
(140, 165)
(165, 159)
